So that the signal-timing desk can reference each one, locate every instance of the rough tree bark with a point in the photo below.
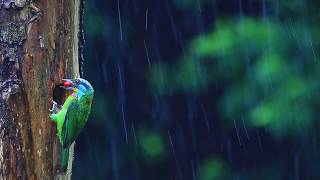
(39, 45)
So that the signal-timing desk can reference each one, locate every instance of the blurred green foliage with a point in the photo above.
(213, 169)
(152, 145)
(254, 59)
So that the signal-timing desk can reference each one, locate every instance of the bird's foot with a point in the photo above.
(55, 108)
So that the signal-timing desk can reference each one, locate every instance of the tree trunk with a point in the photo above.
(38, 47)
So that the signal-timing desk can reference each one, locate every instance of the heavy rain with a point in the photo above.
(201, 90)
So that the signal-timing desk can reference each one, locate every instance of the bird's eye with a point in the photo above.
(67, 84)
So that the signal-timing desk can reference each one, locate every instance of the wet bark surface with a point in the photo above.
(38, 47)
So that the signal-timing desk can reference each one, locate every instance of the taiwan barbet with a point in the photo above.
(73, 115)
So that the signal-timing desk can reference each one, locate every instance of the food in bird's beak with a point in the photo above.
(67, 83)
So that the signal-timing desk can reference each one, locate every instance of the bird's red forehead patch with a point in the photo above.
(67, 84)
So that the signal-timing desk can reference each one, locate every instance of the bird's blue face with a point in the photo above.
(79, 86)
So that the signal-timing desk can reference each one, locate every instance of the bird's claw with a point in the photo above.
(55, 107)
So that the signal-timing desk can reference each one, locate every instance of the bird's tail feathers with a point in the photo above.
(64, 159)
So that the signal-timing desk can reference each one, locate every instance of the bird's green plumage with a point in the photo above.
(64, 158)
(59, 118)
(73, 116)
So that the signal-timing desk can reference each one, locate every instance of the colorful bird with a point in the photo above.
(73, 115)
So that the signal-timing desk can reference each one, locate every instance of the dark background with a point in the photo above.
(201, 89)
